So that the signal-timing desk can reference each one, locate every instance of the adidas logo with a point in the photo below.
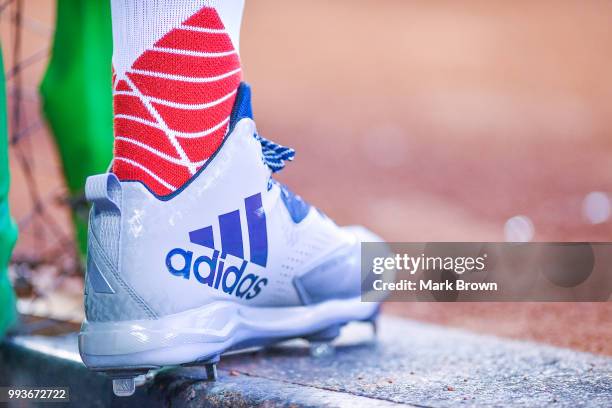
(214, 270)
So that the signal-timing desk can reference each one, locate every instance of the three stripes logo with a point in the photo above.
(215, 270)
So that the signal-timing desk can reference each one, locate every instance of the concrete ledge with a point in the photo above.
(411, 364)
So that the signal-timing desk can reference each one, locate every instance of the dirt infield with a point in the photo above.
(428, 122)
(581, 326)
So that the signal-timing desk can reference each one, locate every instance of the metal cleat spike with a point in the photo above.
(373, 320)
(211, 371)
(210, 365)
(321, 342)
(126, 381)
(322, 349)
(202, 369)
(124, 387)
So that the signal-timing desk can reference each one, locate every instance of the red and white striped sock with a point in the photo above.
(176, 73)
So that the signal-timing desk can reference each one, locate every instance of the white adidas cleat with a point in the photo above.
(231, 260)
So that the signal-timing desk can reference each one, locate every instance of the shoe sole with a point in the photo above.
(203, 334)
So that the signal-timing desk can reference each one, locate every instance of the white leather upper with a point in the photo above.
(151, 228)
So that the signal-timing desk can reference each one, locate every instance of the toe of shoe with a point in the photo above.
(341, 276)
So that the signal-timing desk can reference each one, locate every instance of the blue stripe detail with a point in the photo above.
(203, 236)
(231, 234)
(258, 233)
(297, 207)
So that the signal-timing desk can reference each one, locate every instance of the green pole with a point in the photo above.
(8, 230)
(77, 96)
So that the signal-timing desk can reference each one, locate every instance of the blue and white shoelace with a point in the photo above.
(275, 155)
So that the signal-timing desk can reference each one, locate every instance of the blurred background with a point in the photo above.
(424, 121)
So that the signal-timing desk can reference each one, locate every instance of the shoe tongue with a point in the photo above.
(242, 105)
